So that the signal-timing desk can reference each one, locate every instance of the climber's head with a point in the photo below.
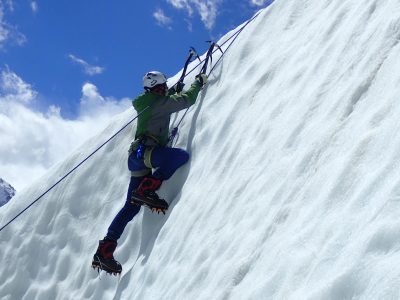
(155, 82)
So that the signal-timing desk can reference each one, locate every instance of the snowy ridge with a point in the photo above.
(292, 190)
(6, 192)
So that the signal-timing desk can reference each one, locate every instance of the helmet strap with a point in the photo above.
(159, 89)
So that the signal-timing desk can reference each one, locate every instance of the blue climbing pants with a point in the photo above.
(164, 161)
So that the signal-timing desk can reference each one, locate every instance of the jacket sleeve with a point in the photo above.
(176, 102)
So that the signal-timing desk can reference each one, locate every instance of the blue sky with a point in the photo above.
(57, 46)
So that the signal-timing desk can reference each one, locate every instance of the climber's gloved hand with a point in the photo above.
(202, 79)
(176, 88)
(179, 87)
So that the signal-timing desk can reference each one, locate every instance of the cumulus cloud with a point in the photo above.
(162, 19)
(207, 9)
(87, 68)
(95, 106)
(32, 141)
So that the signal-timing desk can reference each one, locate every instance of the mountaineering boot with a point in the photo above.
(104, 259)
(145, 195)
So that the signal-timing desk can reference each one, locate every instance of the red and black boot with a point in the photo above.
(104, 257)
(146, 194)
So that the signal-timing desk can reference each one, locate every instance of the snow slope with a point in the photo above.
(292, 191)
(6, 192)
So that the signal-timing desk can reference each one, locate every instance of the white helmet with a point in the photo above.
(153, 78)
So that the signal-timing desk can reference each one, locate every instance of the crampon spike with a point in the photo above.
(99, 269)
(158, 210)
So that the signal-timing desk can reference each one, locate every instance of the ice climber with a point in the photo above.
(150, 160)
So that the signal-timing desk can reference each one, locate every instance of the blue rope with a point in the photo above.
(76, 167)
(234, 36)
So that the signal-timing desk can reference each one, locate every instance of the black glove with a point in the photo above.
(179, 86)
(202, 79)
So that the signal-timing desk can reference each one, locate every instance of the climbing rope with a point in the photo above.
(73, 169)
(213, 48)
(234, 36)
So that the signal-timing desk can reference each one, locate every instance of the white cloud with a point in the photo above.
(208, 12)
(258, 2)
(87, 68)
(32, 141)
(7, 31)
(13, 88)
(94, 105)
(207, 9)
(34, 6)
(189, 25)
(3, 27)
(162, 19)
(182, 4)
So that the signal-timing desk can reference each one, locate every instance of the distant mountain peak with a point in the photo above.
(6, 192)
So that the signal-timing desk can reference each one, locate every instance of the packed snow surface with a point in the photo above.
(6, 192)
(292, 190)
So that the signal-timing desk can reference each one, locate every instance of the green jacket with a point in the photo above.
(154, 121)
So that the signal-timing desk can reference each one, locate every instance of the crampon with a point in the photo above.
(111, 269)
(154, 204)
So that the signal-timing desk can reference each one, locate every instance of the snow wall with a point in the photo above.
(292, 190)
